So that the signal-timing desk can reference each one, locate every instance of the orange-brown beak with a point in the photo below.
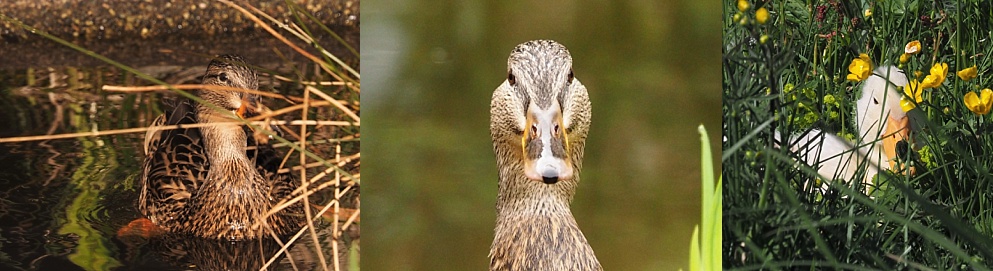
(242, 110)
(896, 130)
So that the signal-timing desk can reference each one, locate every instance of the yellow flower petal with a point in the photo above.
(940, 69)
(930, 81)
(968, 73)
(743, 5)
(904, 58)
(860, 68)
(914, 90)
(979, 104)
(761, 15)
(986, 98)
(912, 47)
(906, 105)
(938, 74)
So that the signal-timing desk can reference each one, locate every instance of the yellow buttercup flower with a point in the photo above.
(930, 81)
(743, 5)
(860, 68)
(940, 69)
(968, 73)
(912, 47)
(761, 15)
(938, 73)
(868, 13)
(979, 104)
(904, 58)
(914, 90)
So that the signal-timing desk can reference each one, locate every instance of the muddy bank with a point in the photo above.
(162, 32)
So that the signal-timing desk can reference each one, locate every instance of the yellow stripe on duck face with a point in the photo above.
(565, 139)
(525, 135)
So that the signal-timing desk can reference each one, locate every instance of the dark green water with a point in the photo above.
(651, 68)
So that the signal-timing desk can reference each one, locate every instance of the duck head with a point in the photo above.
(540, 115)
(879, 113)
(230, 71)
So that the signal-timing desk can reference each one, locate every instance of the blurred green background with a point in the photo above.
(653, 73)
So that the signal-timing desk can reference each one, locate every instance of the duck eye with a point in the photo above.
(511, 79)
(534, 130)
(223, 77)
(570, 76)
(555, 130)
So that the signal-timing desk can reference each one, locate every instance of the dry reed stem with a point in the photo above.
(282, 38)
(128, 89)
(303, 176)
(346, 160)
(295, 29)
(167, 127)
(304, 194)
(283, 247)
(337, 208)
(304, 191)
(328, 100)
(313, 83)
(313, 104)
(302, 144)
(352, 217)
(340, 106)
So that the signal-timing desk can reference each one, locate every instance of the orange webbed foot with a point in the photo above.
(142, 228)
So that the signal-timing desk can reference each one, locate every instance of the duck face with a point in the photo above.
(543, 110)
(544, 145)
(230, 71)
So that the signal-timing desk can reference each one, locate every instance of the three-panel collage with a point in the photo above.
(497, 135)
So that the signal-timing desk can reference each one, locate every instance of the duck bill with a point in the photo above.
(244, 111)
(544, 146)
(896, 131)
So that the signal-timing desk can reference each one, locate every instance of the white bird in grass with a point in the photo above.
(881, 124)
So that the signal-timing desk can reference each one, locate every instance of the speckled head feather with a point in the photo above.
(231, 71)
(541, 70)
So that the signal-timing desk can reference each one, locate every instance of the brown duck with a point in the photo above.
(215, 181)
(539, 118)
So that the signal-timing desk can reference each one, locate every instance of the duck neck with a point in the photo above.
(233, 184)
(535, 229)
(224, 141)
(225, 144)
(519, 196)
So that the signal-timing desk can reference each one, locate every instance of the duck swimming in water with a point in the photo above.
(215, 181)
